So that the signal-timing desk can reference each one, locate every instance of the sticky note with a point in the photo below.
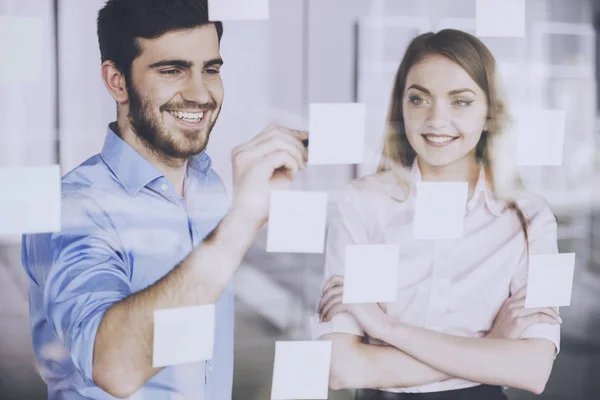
(21, 40)
(301, 370)
(30, 200)
(540, 137)
(440, 210)
(238, 10)
(337, 133)
(504, 18)
(371, 274)
(297, 221)
(550, 280)
(183, 335)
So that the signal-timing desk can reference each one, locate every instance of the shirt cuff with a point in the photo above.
(82, 346)
(340, 323)
(544, 331)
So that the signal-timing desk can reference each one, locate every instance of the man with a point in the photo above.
(146, 223)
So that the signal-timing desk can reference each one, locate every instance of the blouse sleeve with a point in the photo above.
(543, 239)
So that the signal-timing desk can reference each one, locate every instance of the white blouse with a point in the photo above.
(452, 286)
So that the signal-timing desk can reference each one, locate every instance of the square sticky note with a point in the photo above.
(540, 137)
(337, 133)
(21, 51)
(238, 10)
(505, 18)
(440, 210)
(30, 200)
(301, 370)
(371, 274)
(183, 335)
(550, 280)
(297, 222)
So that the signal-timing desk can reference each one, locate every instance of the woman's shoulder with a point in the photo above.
(534, 206)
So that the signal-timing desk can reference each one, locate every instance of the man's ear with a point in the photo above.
(114, 82)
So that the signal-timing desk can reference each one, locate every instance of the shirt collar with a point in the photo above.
(134, 171)
(481, 189)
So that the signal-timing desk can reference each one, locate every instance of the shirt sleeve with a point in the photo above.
(83, 272)
(346, 227)
(543, 239)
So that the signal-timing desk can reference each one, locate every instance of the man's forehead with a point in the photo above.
(197, 44)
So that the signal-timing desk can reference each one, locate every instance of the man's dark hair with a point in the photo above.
(120, 22)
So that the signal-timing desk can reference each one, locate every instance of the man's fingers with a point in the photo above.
(275, 144)
(279, 159)
(334, 280)
(333, 291)
(273, 131)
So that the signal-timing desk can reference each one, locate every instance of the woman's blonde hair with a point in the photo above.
(476, 59)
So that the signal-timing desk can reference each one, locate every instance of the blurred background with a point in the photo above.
(308, 51)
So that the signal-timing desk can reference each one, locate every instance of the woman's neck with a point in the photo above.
(464, 170)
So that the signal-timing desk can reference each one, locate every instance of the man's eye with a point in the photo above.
(212, 71)
(170, 72)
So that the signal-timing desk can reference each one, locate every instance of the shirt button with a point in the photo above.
(210, 369)
(164, 186)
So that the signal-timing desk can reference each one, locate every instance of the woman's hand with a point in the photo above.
(370, 316)
(513, 318)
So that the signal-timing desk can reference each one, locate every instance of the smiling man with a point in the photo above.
(146, 223)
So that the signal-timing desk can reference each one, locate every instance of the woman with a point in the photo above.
(459, 329)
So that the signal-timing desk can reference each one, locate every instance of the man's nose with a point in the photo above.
(197, 91)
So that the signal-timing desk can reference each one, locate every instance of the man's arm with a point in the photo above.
(123, 347)
(356, 365)
(122, 354)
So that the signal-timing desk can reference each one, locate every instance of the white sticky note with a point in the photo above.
(183, 335)
(505, 18)
(371, 274)
(540, 137)
(301, 370)
(550, 280)
(21, 51)
(337, 133)
(238, 10)
(30, 200)
(440, 210)
(297, 222)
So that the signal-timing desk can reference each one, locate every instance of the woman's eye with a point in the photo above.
(463, 103)
(416, 100)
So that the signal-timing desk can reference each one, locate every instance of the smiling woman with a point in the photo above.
(458, 329)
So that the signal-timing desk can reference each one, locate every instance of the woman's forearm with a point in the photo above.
(388, 367)
(523, 364)
(356, 365)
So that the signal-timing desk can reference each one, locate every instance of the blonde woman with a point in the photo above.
(459, 329)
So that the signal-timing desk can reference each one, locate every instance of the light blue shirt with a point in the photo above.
(123, 228)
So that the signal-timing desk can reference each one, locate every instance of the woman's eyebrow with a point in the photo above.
(457, 91)
(451, 93)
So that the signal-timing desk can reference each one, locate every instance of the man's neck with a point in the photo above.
(173, 170)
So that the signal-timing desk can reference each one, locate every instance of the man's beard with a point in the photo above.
(157, 139)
